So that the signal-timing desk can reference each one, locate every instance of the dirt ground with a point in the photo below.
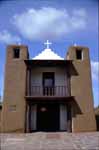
(50, 141)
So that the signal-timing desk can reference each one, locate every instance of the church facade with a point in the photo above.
(47, 93)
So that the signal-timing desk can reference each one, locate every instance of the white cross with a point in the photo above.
(48, 43)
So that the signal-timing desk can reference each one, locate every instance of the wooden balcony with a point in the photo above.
(56, 91)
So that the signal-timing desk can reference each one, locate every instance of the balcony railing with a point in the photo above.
(56, 91)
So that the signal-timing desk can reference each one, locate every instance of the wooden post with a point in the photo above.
(33, 117)
(63, 117)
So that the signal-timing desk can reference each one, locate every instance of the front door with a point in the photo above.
(48, 117)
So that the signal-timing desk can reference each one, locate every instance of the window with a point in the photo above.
(79, 54)
(16, 52)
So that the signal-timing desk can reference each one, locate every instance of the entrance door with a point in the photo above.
(48, 117)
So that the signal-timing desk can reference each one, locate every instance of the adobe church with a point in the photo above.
(47, 93)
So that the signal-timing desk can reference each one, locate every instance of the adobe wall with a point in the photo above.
(81, 88)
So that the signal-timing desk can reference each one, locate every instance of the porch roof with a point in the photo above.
(48, 63)
(49, 99)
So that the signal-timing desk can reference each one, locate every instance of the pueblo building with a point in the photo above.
(47, 93)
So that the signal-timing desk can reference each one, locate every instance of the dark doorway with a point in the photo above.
(48, 83)
(48, 117)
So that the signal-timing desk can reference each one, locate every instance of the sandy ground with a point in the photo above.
(50, 141)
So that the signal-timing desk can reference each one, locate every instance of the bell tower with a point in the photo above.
(81, 89)
(13, 112)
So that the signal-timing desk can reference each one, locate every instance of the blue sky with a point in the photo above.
(64, 23)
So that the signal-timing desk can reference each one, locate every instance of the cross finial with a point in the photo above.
(47, 44)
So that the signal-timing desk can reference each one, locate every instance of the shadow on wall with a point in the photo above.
(76, 108)
(71, 69)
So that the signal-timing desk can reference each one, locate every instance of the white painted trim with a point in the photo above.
(63, 117)
(33, 117)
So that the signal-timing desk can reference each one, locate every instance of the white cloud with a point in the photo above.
(7, 38)
(95, 70)
(79, 12)
(47, 22)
